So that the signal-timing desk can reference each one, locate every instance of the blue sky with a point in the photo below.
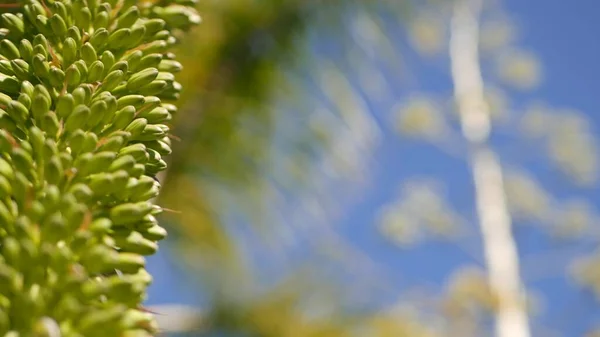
(564, 35)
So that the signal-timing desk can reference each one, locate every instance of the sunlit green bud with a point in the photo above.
(74, 33)
(97, 111)
(142, 78)
(151, 132)
(6, 68)
(178, 16)
(14, 24)
(56, 76)
(136, 243)
(170, 66)
(108, 59)
(32, 10)
(149, 61)
(5, 99)
(60, 9)
(88, 53)
(162, 35)
(133, 59)
(136, 127)
(21, 159)
(9, 50)
(77, 118)
(5, 188)
(80, 95)
(43, 25)
(138, 171)
(128, 18)
(154, 88)
(17, 111)
(151, 102)
(101, 20)
(99, 38)
(112, 80)
(21, 69)
(101, 319)
(82, 17)
(73, 76)
(58, 25)
(69, 51)
(41, 68)
(82, 67)
(155, 233)
(96, 71)
(125, 163)
(153, 26)
(27, 88)
(100, 162)
(118, 38)
(50, 124)
(121, 65)
(26, 49)
(165, 76)
(135, 100)
(81, 192)
(129, 263)
(40, 40)
(40, 106)
(158, 46)
(156, 115)
(137, 151)
(65, 105)
(90, 141)
(113, 143)
(135, 38)
(54, 171)
(100, 226)
(6, 170)
(6, 141)
(38, 49)
(123, 117)
(101, 183)
(25, 100)
(119, 179)
(7, 123)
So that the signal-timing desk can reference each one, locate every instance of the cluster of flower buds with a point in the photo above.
(86, 87)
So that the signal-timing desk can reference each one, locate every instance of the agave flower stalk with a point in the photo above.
(86, 90)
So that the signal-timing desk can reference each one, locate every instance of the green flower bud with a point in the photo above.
(136, 127)
(41, 68)
(69, 51)
(135, 100)
(101, 20)
(82, 17)
(77, 118)
(56, 77)
(65, 105)
(128, 18)
(58, 25)
(26, 49)
(14, 24)
(9, 50)
(170, 66)
(96, 71)
(99, 38)
(88, 53)
(112, 80)
(142, 78)
(149, 61)
(20, 68)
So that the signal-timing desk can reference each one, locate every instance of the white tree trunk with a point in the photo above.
(500, 249)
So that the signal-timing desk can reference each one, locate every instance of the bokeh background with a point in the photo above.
(321, 185)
